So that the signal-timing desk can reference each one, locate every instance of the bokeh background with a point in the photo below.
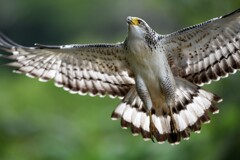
(41, 122)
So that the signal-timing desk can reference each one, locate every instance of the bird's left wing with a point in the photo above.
(207, 51)
(97, 69)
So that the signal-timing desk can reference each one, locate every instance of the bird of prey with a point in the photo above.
(158, 77)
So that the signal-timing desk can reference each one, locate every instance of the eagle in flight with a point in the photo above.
(157, 77)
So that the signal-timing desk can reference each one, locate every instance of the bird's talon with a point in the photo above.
(152, 128)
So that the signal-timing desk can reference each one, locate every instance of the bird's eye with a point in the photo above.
(140, 21)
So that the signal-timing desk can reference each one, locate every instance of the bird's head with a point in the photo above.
(139, 31)
(137, 27)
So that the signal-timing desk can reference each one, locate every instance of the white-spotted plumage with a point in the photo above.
(157, 76)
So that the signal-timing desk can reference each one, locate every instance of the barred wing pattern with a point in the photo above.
(207, 51)
(95, 69)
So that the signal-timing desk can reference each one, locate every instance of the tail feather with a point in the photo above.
(191, 110)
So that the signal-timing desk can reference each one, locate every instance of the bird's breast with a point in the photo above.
(152, 66)
(146, 62)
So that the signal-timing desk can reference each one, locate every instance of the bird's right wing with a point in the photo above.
(95, 69)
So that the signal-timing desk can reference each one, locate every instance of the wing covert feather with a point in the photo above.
(206, 51)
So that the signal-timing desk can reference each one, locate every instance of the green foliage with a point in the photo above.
(39, 121)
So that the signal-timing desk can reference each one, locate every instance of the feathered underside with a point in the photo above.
(196, 55)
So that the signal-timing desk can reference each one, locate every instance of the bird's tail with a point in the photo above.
(190, 111)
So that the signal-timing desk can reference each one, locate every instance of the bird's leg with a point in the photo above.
(173, 124)
(169, 97)
(145, 97)
(151, 127)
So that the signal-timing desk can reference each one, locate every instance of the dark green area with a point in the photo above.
(41, 122)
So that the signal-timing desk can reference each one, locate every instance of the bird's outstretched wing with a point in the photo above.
(206, 51)
(95, 69)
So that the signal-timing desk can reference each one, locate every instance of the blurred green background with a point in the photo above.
(41, 122)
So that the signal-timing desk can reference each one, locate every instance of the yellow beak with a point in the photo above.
(133, 20)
